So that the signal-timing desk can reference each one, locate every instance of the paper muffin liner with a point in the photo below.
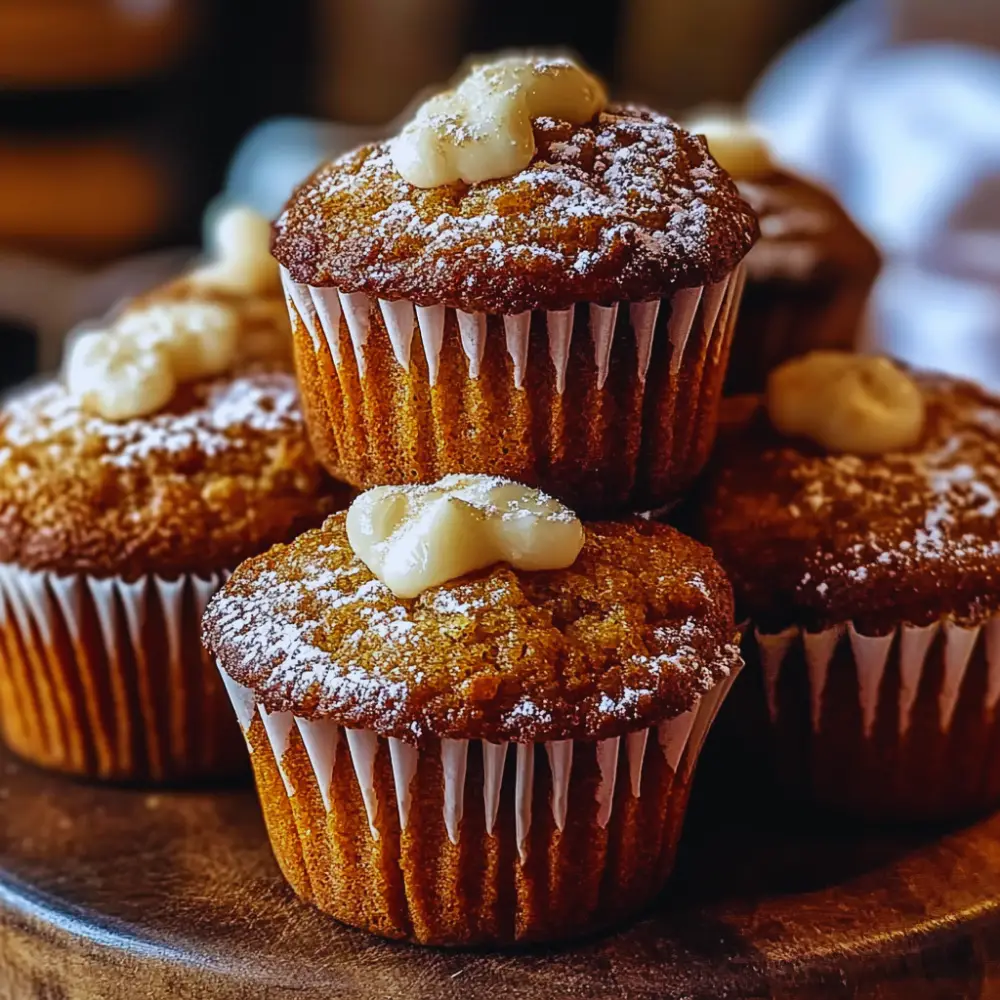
(106, 678)
(467, 841)
(780, 320)
(896, 726)
(607, 406)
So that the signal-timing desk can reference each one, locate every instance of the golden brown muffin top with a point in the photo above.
(805, 233)
(624, 208)
(815, 539)
(225, 471)
(631, 634)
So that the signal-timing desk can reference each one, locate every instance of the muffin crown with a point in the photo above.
(806, 235)
(631, 634)
(223, 472)
(817, 539)
(628, 207)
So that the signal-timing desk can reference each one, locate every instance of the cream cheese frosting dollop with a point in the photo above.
(133, 368)
(241, 255)
(482, 129)
(117, 378)
(416, 537)
(736, 144)
(852, 403)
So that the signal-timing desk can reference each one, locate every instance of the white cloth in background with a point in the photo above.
(908, 134)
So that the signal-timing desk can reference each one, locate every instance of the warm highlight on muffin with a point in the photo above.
(644, 609)
(627, 207)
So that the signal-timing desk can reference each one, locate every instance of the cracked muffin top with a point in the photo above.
(815, 539)
(629, 635)
(223, 472)
(626, 207)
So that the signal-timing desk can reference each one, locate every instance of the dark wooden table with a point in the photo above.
(116, 893)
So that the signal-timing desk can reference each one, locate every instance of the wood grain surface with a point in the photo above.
(116, 893)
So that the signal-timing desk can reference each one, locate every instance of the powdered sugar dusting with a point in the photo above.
(218, 418)
(916, 532)
(944, 498)
(616, 201)
(632, 174)
(501, 654)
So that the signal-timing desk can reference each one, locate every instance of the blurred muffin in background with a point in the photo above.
(172, 449)
(858, 517)
(238, 274)
(77, 43)
(811, 272)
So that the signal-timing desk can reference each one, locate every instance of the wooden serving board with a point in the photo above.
(120, 894)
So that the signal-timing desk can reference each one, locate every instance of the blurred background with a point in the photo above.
(122, 120)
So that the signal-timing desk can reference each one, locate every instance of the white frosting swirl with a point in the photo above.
(482, 129)
(241, 251)
(133, 369)
(416, 537)
(845, 402)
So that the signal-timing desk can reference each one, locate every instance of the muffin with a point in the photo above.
(869, 571)
(809, 276)
(561, 316)
(503, 757)
(128, 491)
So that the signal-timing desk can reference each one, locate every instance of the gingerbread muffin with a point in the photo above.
(527, 282)
(809, 276)
(862, 537)
(128, 492)
(503, 756)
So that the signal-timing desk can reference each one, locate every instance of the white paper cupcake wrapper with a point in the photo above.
(320, 311)
(679, 739)
(871, 654)
(43, 605)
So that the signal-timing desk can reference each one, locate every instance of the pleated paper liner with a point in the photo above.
(780, 320)
(608, 406)
(902, 726)
(470, 842)
(105, 678)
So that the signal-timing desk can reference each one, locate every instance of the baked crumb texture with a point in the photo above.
(506, 757)
(222, 474)
(874, 586)
(626, 208)
(816, 540)
(567, 327)
(629, 635)
(808, 279)
(106, 679)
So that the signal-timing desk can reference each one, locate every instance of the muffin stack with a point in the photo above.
(473, 718)
(473, 713)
